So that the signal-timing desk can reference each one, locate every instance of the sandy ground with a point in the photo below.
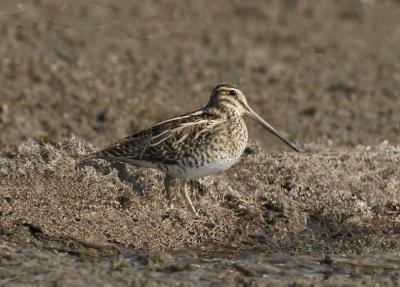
(75, 77)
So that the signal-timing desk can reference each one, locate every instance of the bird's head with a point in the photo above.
(230, 101)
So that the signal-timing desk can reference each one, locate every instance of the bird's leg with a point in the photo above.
(167, 185)
(187, 198)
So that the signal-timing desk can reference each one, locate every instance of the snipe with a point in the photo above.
(195, 144)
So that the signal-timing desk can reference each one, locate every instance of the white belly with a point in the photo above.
(188, 172)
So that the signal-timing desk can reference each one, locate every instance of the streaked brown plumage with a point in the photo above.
(195, 144)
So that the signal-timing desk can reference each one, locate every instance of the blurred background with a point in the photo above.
(319, 71)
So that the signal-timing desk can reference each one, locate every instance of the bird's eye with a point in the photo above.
(232, 92)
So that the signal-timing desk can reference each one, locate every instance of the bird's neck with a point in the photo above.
(222, 111)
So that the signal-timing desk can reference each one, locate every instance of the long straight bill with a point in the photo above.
(252, 114)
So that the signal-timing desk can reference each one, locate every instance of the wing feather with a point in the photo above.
(163, 142)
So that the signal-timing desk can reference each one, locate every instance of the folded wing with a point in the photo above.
(166, 142)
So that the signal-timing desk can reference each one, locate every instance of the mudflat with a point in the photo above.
(77, 76)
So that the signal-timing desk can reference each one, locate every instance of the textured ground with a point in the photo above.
(324, 73)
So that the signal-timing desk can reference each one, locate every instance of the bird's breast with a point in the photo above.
(221, 148)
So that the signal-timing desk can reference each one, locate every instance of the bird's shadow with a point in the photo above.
(137, 179)
(132, 179)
